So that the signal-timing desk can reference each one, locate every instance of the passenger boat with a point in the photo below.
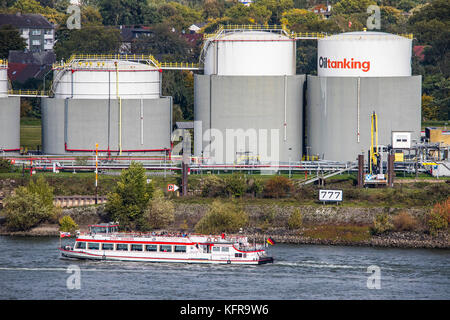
(104, 242)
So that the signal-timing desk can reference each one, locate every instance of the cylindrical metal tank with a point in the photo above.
(248, 119)
(3, 78)
(107, 79)
(338, 111)
(9, 124)
(364, 54)
(9, 114)
(250, 53)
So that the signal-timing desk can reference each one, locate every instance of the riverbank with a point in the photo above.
(322, 225)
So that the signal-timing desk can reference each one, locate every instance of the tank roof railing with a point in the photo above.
(231, 28)
(98, 61)
(350, 36)
(223, 29)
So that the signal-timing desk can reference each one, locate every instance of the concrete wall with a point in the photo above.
(271, 107)
(332, 114)
(146, 125)
(9, 123)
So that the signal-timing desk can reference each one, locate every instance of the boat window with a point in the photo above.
(151, 247)
(180, 248)
(165, 248)
(122, 247)
(107, 246)
(238, 255)
(80, 245)
(225, 249)
(93, 246)
(216, 249)
(136, 247)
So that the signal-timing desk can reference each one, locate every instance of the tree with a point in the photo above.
(129, 200)
(352, 6)
(213, 9)
(127, 12)
(10, 39)
(276, 7)
(66, 224)
(180, 85)
(92, 39)
(164, 42)
(30, 206)
(32, 6)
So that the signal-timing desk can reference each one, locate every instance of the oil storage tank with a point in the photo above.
(9, 115)
(248, 104)
(360, 73)
(112, 101)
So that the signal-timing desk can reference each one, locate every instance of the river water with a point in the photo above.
(30, 268)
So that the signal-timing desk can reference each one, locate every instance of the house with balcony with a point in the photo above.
(39, 34)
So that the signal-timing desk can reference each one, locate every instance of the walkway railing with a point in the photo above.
(28, 93)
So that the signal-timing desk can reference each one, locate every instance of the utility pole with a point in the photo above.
(360, 170)
(96, 173)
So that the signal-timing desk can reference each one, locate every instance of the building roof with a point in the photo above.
(131, 33)
(43, 57)
(19, 20)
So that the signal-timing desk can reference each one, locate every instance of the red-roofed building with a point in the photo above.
(419, 52)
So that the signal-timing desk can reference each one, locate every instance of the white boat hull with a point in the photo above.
(208, 259)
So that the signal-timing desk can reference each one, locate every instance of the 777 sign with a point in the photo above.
(330, 195)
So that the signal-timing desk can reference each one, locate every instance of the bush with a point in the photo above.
(295, 220)
(43, 189)
(438, 218)
(25, 210)
(222, 217)
(255, 187)
(235, 185)
(130, 198)
(66, 224)
(212, 186)
(404, 222)
(381, 224)
(30, 206)
(278, 187)
(5, 165)
(160, 212)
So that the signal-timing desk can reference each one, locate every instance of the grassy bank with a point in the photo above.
(403, 195)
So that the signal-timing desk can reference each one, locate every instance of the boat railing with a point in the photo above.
(134, 235)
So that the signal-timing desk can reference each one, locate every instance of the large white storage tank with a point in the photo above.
(250, 53)
(360, 73)
(9, 114)
(105, 79)
(112, 101)
(250, 96)
(364, 54)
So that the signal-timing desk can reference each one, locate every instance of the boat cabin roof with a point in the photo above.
(103, 228)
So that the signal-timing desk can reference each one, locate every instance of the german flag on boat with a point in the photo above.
(270, 241)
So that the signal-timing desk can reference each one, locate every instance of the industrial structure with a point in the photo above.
(9, 115)
(112, 100)
(360, 73)
(249, 100)
(251, 109)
